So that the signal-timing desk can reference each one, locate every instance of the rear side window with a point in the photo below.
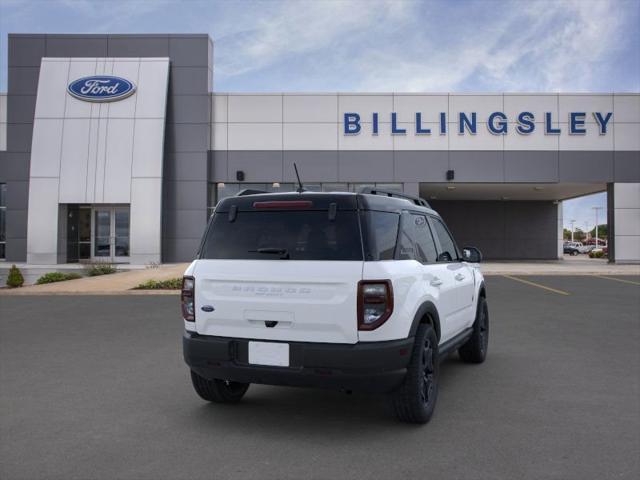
(380, 234)
(416, 241)
(448, 252)
(275, 235)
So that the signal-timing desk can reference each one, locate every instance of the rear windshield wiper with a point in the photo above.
(283, 252)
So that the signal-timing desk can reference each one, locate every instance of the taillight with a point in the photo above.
(187, 298)
(375, 303)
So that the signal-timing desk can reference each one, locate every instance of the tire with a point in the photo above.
(415, 400)
(574, 253)
(218, 391)
(474, 350)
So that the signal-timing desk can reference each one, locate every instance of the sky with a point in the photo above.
(378, 45)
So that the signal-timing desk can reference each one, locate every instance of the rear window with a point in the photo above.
(275, 235)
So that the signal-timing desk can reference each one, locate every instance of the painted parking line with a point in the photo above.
(534, 284)
(617, 279)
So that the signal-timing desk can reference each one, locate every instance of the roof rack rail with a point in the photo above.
(249, 191)
(390, 193)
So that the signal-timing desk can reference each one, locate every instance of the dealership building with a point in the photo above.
(117, 148)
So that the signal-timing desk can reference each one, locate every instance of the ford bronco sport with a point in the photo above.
(354, 291)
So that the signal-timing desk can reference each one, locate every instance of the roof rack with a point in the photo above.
(249, 191)
(389, 193)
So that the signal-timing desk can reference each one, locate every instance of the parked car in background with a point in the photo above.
(572, 248)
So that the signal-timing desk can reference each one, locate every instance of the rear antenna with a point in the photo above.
(300, 187)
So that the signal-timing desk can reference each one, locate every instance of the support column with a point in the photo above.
(624, 230)
(560, 236)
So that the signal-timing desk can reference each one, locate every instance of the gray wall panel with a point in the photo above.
(187, 137)
(428, 165)
(586, 166)
(218, 165)
(76, 46)
(22, 108)
(26, 50)
(16, 250)
(477, 166)
(185, 166)
(258, 166)
(365, 166)
(508, 230)
(138, 46)
(314, 166)
(15, 166)
(16, 224)
(529, 166)
(19, 137)
(188, 80)
(189, 109)
(190, 51)
(626, 166)
(185, 195)
(180, 249)
(185, 223)
(23, 80)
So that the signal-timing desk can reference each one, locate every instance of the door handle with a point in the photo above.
(459, 277)
(436, 282)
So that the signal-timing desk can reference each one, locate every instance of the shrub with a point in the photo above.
(596, 254)
(100, 269)
(15, 278)
(52, 277)
(170, 284)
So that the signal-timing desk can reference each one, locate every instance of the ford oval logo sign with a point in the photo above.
(101, 88)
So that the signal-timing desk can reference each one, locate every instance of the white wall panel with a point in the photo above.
(626, 108)
(118, 158)
(255, 108)
(3, 108)
(255, 136)
(628, 221)
(430, 106)
(3, 136)
(534, 141)
(51, 85)
(148, 147)
(483, 105)
(411, 141)
(77, 69)
(482, 140)
(310, 108)
(536, 104)
(92, 159)
(73, 162)
(310, 136)
(219, 136)
(42, 222)
(101, 157)
(584, 103)
(45, 147)
(219, 105)
(627, 136)
(626, 195)
(365, 105)
(146, 208)
(592, 140)
(125, 108)
(366, 141)
(151, 91)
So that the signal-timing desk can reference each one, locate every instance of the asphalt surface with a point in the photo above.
(95, 388)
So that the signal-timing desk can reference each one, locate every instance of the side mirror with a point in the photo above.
(471, 255)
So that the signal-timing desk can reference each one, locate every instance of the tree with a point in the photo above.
(578, 235)
(603, 231)
(566, 234)
(15, 278)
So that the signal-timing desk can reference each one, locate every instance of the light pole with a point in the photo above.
(572, 228)
(596, 209)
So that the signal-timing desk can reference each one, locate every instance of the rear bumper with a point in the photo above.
(369, 367)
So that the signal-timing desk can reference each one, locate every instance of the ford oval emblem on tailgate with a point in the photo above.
(207, 308)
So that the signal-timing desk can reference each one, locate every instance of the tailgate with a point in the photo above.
(287, 300)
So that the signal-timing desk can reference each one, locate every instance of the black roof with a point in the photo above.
(321, 200)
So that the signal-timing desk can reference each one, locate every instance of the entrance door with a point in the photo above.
(111, 234)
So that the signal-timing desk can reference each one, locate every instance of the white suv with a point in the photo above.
(351, 291)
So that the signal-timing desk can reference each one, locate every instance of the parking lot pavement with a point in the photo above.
(95, 387)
